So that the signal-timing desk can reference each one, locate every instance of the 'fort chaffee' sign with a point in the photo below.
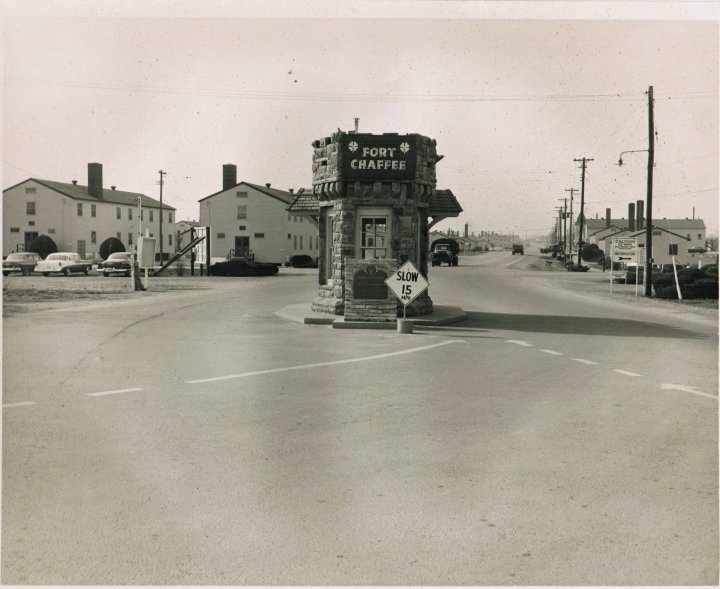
(366, 157)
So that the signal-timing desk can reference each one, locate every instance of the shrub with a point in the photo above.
(43, 246)
(701, 289)
(110, 246)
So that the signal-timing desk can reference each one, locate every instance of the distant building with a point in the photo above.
(77, 217)
(252, 220)
(668, 235)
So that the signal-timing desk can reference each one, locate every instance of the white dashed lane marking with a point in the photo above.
(583, 361)
(116, 392)
(19, 404)
(626, 372)
(686, 389)
(520, 343)
(552, 352)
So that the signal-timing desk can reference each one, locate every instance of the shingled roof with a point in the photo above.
(442, 204)
(283, 195)
(80, 192)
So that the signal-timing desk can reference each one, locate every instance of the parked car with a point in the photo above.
(23, 262)
(518, 248)
(117, 263)
(63, 263)
(242, 267)
(303, 261)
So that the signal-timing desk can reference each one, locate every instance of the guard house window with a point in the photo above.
(374, 233)
(79, 209)
(30, 208)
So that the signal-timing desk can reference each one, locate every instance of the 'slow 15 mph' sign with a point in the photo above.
(407, 283)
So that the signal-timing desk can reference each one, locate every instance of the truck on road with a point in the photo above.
(444, 250)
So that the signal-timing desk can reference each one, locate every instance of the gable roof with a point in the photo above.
(80, 192)
(281, 195)
(668, 224)
(443, 203)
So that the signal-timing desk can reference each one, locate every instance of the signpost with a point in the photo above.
(624, 250)
(407, 283)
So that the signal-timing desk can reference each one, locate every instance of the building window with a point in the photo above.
(79, 209)
(294, 242)
(118, 213)
(699, 235)
(658, 233)
(31, 223)
(29, 190)
(221, 236)
(30, 208)
(130, 214)
(242, 227)
(301, 242)
(374, 234)
(93, 237)
(289, 236)
(93, 210)
(118, 236)
(169, 238)
(14, 229)
(51, 231)
(259, 235)
(151, 216)
(242, 194)
(310, 242)
(169, 217)
(242, 212)
(130, 238)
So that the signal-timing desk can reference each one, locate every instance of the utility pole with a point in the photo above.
(582, 207)
(161, 215)
(649, 228)
(569, 241)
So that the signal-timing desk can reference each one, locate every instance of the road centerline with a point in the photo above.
(322, 364)
(115, 392)
(19, 404)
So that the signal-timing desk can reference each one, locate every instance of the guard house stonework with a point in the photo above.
(367, 297)
(373, 193)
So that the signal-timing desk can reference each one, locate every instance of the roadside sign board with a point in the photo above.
(407, 283)
(624, 249)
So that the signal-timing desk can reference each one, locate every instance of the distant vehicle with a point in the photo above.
(696, 250)
(518, 248)
(63, 263)
(117, 263)
(444, 251)
(303, 261)
(23, 262)
(242, 267)
(553, 249)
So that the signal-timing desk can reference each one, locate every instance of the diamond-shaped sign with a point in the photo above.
(407, 283)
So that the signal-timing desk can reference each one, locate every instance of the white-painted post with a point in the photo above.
(677, 284)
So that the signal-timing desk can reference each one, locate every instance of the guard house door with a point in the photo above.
(242, 246)
(373, 234)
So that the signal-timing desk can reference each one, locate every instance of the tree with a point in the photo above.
(591, 252)
(43, 246)
(110, 246)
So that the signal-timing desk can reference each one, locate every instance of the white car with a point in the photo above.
(63, 263)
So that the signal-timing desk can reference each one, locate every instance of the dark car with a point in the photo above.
(518, 248)
(23, 262)
(303, 261)
(117, 263)
(242, 267)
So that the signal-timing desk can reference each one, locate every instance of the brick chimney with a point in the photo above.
(640, 211)
(631, 216)
(95, 180)
(229, 176)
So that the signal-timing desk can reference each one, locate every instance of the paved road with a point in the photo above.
(560, 435)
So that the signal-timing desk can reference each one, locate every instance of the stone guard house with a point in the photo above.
(374, 198)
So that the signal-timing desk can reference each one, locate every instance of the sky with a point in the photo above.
(513, 93)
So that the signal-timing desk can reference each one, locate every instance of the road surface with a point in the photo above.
(559, 436)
